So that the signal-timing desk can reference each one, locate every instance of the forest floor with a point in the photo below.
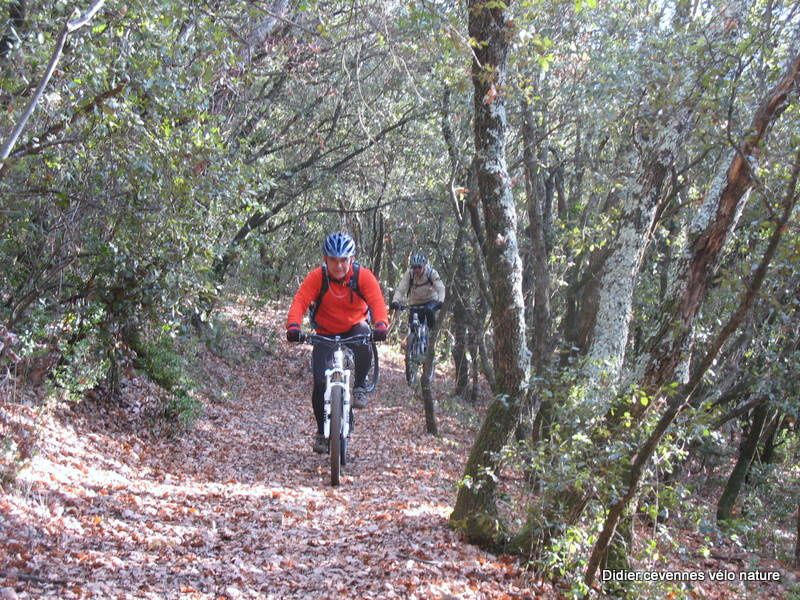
(238, 506)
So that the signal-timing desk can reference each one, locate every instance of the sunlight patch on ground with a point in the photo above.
(421, 510)
(43, 469)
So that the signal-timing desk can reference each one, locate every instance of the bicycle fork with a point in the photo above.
(343, 382)
(420, 337)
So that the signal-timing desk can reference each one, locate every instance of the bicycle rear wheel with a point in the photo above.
(371, 382)
(336, 447)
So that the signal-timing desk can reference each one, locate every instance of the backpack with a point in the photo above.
(411, 284)
(352, 284)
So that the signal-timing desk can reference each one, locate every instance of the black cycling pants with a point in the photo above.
(425, 313)
(321, 357)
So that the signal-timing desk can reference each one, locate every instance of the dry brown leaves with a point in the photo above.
(240, 507)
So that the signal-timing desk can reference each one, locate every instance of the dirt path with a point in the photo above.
(239, 507)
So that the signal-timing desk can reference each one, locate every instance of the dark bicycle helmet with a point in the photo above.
(418, 260)
(339, 245)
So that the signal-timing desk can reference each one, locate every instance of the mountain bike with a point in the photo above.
(338, 420)
(416, 347)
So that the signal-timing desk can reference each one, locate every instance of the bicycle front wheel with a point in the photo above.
(336, 447)
(412, 365)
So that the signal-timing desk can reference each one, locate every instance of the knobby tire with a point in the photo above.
(336, 434)
(412, 366)
(374, 372)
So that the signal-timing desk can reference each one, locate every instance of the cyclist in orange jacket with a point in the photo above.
(344, 293)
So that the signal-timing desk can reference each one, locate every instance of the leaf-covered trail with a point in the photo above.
(239, 507)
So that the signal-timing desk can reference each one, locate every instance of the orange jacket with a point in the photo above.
(341, 307)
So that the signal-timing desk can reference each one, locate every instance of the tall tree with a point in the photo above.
(490, 31)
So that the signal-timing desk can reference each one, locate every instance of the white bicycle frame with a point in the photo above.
(344, 383)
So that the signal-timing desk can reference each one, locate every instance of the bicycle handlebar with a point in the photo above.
(315, 338)
(402, 307)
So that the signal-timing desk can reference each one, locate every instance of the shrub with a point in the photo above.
(161, 360)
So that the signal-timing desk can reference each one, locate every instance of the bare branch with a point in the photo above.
(69, 27)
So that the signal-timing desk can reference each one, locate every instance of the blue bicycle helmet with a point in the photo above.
(418, 260)
(339, 245)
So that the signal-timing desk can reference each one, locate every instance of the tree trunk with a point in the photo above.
(430, 356)
(474, 352)
(461, 285)
(475, 512)
(716, 218)
(426, 387)
(389, 270)
(797, 541)
(640, 205)
(461, 360)
(535, 189)
(461, 326)
(378, 233)
(747, 452)
(768, 449)
(483, 348)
